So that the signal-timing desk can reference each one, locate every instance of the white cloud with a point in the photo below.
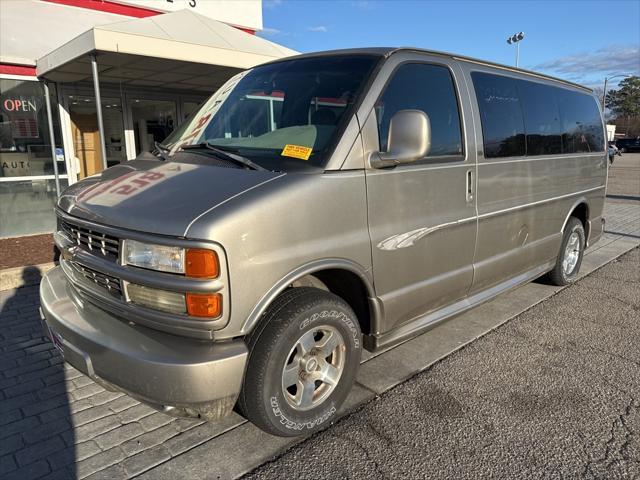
(364, 4)
(319, 28)
(272, 3)
(270, 32)
(612, 60)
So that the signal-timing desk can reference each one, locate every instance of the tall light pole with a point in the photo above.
(516, 38)
(604, 94)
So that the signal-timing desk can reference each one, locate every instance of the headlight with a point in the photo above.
(154, 257)
(192, 262)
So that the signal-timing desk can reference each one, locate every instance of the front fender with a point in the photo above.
(310, 268)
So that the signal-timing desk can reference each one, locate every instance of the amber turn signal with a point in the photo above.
(201, 263)
(204, 305)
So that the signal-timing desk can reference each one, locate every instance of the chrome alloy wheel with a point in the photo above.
(313, 367)
(571, 254)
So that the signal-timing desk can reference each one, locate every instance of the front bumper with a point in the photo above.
(177, 375)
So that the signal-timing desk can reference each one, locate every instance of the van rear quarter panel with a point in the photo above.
(523, 202)
(270, 231)
(522, 208)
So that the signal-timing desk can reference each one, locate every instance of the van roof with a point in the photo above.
(388, 51)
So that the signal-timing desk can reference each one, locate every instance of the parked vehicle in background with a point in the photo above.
(613, 151)
(628, 144)
(313, 207)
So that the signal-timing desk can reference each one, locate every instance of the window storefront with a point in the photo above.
(134, 119)
(27, 181)
(132, 123)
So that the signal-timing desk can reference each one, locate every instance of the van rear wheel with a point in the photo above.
(571, 253)
(303, 359)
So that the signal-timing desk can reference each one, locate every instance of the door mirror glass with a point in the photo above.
(409, 139)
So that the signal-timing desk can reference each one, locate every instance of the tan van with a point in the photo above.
(313, 207)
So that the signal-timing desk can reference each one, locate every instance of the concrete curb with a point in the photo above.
(17, 277)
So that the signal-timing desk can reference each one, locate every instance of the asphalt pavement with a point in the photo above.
(554, 393)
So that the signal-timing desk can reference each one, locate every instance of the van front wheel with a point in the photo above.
(571, 253)
(303, 359)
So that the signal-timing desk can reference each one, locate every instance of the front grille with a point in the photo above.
(92, 240)
(110, 284)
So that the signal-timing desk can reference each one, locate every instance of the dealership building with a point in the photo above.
(118, 76)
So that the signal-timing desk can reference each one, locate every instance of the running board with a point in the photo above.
(426, 322)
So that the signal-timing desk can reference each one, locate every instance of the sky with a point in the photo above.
(578, 40)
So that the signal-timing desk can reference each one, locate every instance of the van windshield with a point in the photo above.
(282, 116)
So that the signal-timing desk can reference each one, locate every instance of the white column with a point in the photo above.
(96, 89)
(47, 101)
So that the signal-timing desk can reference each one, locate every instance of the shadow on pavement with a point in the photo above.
(630, 235)
(544, 280)
(624, 197)
(36, 432)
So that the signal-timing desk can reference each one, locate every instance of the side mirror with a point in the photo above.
(409, 140)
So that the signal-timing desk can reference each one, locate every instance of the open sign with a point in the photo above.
(19, 105)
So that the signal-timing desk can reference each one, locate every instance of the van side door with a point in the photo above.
(422, 215)
(538, 157)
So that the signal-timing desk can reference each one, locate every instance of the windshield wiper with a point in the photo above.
(223, 155)
(163, 151)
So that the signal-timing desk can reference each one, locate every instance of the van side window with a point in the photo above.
(520, 118)
(581, 123)
(501, 115)
(428, 88)
(541, 118)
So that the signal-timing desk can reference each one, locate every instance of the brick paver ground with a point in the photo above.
(57, 423)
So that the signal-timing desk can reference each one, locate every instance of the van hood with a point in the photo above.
(157, 197)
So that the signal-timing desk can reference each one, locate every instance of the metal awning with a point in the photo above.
(179, 50)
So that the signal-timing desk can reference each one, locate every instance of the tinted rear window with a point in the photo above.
(520, 117)
(501, 115)
(541, 118)
(582, 126)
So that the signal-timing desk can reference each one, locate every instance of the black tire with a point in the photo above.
(559, 276)
(296, 312)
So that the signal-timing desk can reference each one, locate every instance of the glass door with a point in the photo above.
(188, 107)
(86, 139)
(151, 121)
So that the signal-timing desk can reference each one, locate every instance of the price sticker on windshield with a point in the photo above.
(296, 151)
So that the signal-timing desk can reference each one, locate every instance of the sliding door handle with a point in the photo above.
(470, 185)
